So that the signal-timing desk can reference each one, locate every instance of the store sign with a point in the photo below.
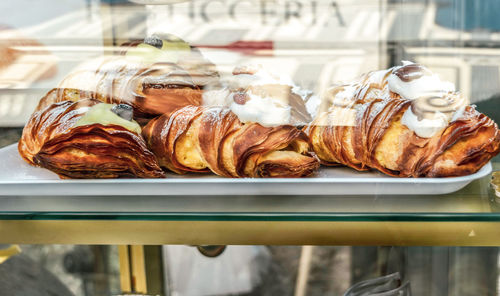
(313, 12)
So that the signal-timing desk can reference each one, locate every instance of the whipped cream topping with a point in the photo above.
(416, 88)
(260, 97)
(414, 82)
(425, 128)
(458, 114)
(312, 105)
(267, 111)
(345, 97)
(264, 110)
(217, 97)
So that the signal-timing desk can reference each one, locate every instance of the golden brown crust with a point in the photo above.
(201, 70)
(380, 141)
(48, 123)
(151, 90)
(227, 146)
(97, 151)
(50, 140)
(57, 95)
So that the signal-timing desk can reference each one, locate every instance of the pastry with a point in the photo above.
(169, 48)
(404, 122)
(87, 139)
(151, 90)
(256, 95)
(152, 77)
(202, 139)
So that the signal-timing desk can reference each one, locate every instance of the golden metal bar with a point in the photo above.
(153, 259)
(250, 232)
(138, 269)
(125, 276)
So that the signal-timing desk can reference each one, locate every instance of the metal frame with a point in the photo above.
(463, 233)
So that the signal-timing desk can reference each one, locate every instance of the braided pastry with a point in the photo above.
(199, 139)
(87, 139)
(404, 122)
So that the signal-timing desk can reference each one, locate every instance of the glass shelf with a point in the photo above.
(470, 216)
(475, 202)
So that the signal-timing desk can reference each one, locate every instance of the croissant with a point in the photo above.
(404, 122)
(151, 90)
(87, 139)
(201, 139)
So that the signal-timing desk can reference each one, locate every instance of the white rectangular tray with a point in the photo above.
(19, 178)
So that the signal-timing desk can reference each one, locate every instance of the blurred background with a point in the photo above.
(317, 43)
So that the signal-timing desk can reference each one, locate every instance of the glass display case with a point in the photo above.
(260, 239)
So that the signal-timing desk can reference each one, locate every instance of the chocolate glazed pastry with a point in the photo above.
(202, 139)
(87, 139)
(151, 90)
(433, 133)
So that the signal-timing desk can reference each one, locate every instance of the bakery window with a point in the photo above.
(303, 147)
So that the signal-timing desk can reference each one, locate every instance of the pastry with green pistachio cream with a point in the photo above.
(168, 48)
(88, 139)
(154, 49)
(107, 114)
(156, 76)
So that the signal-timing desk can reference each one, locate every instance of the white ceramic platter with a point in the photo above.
(19, 178)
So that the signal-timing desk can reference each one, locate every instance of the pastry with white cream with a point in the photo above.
(405, 122)
(245, 129)
(213, 139)
(256, 95)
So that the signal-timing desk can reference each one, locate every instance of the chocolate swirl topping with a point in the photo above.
(378, 139)
(430, 105)
(411, 72)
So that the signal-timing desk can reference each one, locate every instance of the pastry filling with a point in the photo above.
(425, 128)
(434, 102)
(412, 81)
(105, 114)
(155, 50)
(265, 110)
(256, 95)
